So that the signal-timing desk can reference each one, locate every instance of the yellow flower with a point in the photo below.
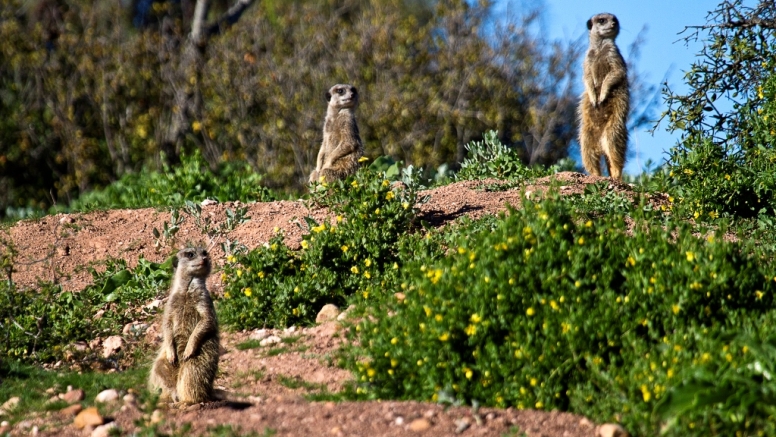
(247, 292)
(444, 337)
(320, 228)
(530, 312)
(690, 256)
(385, 183)
(470, 330)
(438, 317)
(296, 289)
(554, 305)
(645, 393)
(367, 262)
(295, 311)
(354, 184)
(468, 372)
(367, 275)
(239, 273)
(405, 205)
(196, 126)
(394, 340)
(344, 248)
(223, 277)
(354, 269)
(260, 275)
(363, 159)
(377, 211)
(231, 258)
(305, 244)
(675, 309)
(539, 405)
(389, 195)
(581, 241)
(475, 318)
(227, 295)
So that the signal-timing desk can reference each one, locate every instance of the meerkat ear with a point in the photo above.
(589, 24)
(328, 96)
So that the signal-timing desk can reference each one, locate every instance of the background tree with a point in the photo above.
(93, 91)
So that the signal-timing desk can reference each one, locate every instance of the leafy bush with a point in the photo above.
(724, 164)
(356, 252)
(491, 159)
(192, 180)
(551, 310)
(39, 325)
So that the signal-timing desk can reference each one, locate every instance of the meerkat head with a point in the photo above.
(605, 26)
(194, 261)
(342, 96)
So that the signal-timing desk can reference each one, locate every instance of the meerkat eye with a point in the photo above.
(204, 253)
(340, 91)
(601, 20)
(189, 255)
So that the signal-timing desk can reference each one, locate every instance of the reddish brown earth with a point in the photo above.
(256, 383)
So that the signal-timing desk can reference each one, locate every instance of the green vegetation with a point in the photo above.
(654, 308)
(41, 325)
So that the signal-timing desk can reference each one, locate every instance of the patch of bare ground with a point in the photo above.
(265, 386)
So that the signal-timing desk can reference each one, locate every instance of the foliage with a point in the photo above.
(40, 325)
(724, 164)
(357, 252)
(551, 310)
(491, 159)
(191, 181)
(89, 97)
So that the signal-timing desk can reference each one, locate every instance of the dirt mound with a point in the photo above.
(264, 386)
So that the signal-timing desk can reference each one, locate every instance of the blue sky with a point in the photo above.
(662, 57)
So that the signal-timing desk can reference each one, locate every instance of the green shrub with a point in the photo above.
(491, 159)
(356, 252)
(192, 180)
(551, 310)
(37, 325)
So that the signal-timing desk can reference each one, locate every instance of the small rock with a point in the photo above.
(65, 220)
(344, 315)
(74, 396)
(272, 339)
(429, 414)
(72, 410)
(4, 426)
(327, 313)
(95, 343)
(399, 296)
(208, 202)
(461, 425)
(611, 430)
(157, 416)
(34, 431)
(11, 404)
(51, 391)
(399, 421)
(111, 345)
(129, 398)
(104, 430)
(419, 425)
(259, 334)
(98, 315)
(88, 417)
(290, 330)
(109, 395)
(585, 422)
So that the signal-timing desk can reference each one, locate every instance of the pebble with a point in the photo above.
(157, 416)
(109, 395)
(611, 430)
(111, 345)
(327, 313)
(71, 410)
(272, 339)
(259, 334)
(104, 430)
(73, 396)
(419, 425)
(88, 417)
(11, 404)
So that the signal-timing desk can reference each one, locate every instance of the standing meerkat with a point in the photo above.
(188, 359)
(603, 108)
(341, 149)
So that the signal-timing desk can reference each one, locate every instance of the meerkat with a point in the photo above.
(187, 362)
(603, 108)
(341, 148)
